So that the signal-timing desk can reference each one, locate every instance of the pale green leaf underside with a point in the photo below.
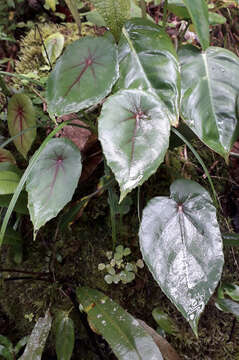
(210, 91)
(121, 330)
(134, 137)
(181, 244)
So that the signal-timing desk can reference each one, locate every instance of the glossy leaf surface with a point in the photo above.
(21, 116)
(181, 244)
(37, 339)
(148, 61)
(54, 45)
(121, 330)
(228, 305)
(134, 138)
(210, 89)
(114, 13)
(58, 168)
(83, 75)
(65, 336)
(198, 11)
(9, 178)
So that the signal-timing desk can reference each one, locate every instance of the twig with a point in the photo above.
(25, 272)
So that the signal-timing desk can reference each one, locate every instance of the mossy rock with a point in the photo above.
(31, 59)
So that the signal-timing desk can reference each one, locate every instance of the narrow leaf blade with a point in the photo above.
(59, 167)
(181, 244)
(121, 330)
(198, 11)
(65, 336)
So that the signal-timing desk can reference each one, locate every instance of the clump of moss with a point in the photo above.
(30, 55)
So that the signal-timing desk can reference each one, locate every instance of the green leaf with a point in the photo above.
(21, 116)
(6, 156)
(148, 61)
(37, 339)
(6, 342)
(178, 8)
(51, 4)
(134, 138)
(9, 178)
(198, 11)
(21, 204)
(58, 167)
(65, 336)
(215, 19)
(121, 330)
(54, 45)
(164, 321)
(181, 244)
(6, 353)
(228, 305)
(83, 75)
(232, 290)
(210, 91)
(14, 239)
(114, 13)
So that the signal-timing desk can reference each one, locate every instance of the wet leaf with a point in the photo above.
(21, 116)
(9, 178)
(228, 305)
(114, 13)
(135, 138)
(148, 61)
(198, 11)
(6, 156)
(181, 244)
(121, 330)
(83, 75)
(54, 45)
(209, 95)
(65, 336)
(37, 339)
(58, 167)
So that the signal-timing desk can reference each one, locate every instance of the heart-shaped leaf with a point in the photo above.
(9, 178)
(121, 330)
(135, 137)
(181, 243)
(114, 13)
(37, 339)
(83, 75)
(6, 156)
(54, 45)
(210, 93)
(198, 11)
(21, 116)
(58, 168)
(65, 336)
(148, 61)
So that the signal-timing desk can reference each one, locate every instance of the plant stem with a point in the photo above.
(143, 8)
(74, 10)
(201, 162)
(165, 12)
